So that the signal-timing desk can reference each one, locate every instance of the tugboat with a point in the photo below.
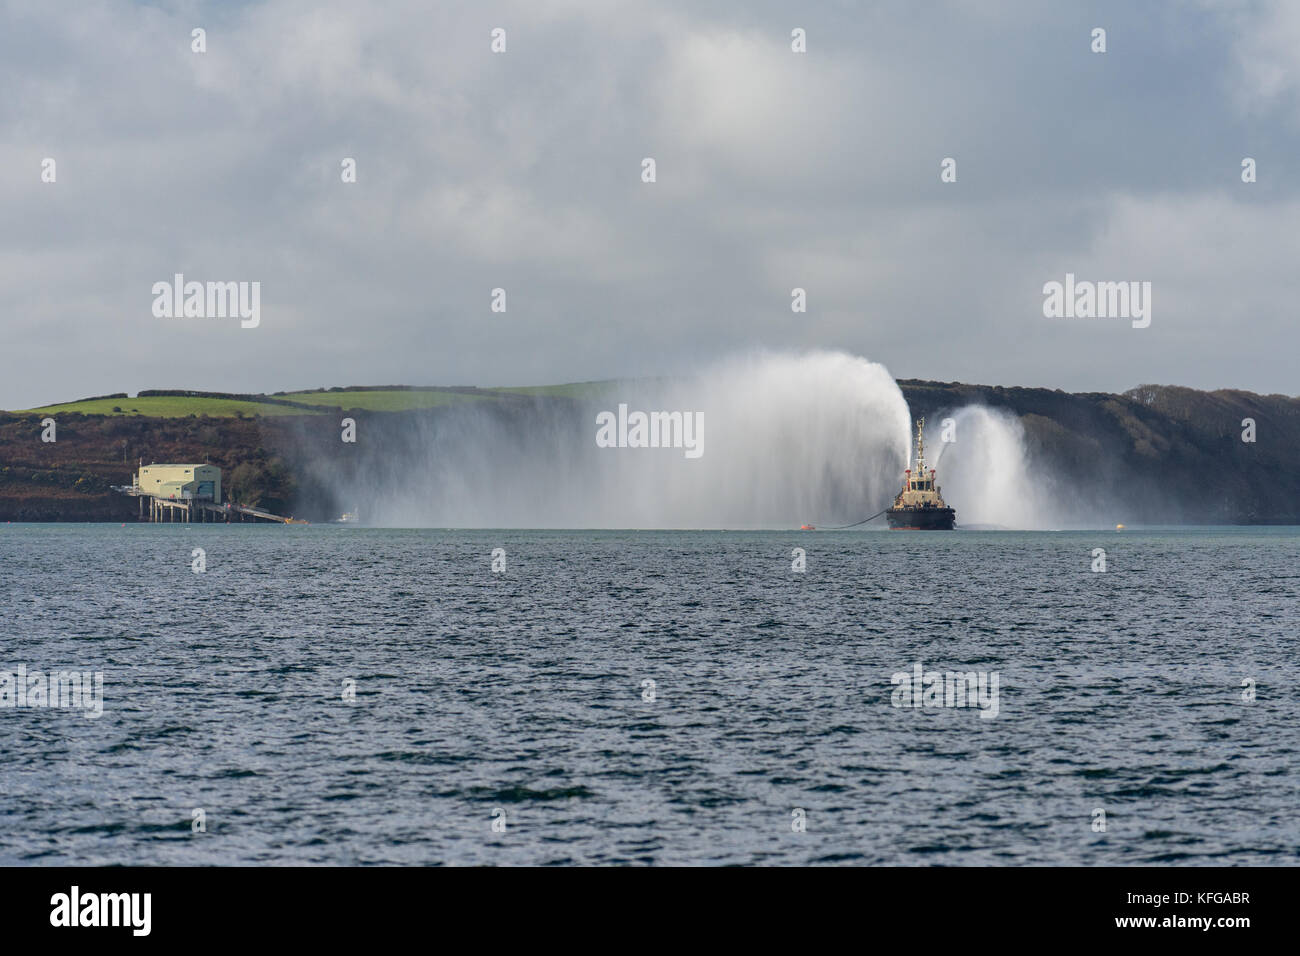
(918, 506)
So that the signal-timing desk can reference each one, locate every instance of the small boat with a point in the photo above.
(919, 506)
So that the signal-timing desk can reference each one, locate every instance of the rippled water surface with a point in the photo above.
(522, 696)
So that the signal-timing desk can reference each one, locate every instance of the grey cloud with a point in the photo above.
(522, 171)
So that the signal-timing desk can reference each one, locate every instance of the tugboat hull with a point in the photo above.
(921, 519)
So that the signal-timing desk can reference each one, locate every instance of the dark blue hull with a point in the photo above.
(921, 519)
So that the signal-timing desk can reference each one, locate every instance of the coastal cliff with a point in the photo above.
(1154, 454)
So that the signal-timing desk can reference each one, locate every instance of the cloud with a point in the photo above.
(522, 171)
(1266, 46)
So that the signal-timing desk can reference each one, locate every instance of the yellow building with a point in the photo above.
(200, 482)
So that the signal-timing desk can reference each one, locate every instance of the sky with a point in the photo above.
(523, 170)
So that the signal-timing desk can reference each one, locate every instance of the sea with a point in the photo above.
(341, 695)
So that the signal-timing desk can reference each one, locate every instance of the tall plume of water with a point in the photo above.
(819, 437)
(984, 470)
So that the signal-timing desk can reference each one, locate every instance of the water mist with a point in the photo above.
(819, 437)
(984, 470)
(787, 439)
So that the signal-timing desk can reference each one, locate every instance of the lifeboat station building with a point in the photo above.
(189, 493)
(178, 492)
(180, 482)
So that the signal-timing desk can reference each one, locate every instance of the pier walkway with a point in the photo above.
(191, 510)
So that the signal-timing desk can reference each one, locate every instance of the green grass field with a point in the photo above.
(384, 401)
(166, 406)
(572, 390)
